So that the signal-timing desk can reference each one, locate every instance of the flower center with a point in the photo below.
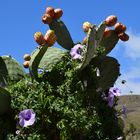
(114, 90)
(27, 117)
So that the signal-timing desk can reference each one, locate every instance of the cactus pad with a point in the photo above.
(10, 70)
(63, 36)
(109, 71)
(110, 42)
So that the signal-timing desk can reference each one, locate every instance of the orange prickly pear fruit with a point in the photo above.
(119, 28)
(50, 37)
(86, 26)
(27, 57)
(111, 20)
(107, 33)
(46, 19)
(39, 38)
(50, 11)
(123, 36)
(58, 13)
(26, 64)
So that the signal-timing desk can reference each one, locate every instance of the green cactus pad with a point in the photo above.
(63, 36)
(100, 32)
(35, 61)
(51, 57)
(10, 70)
(109, 71)
(5, 101)
(110, 42)
(91, 47)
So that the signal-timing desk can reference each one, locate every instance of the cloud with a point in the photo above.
(132, 47)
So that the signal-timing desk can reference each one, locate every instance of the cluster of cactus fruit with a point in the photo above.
(99, 41)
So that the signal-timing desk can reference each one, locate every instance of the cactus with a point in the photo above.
(94, 37)
(109, 71)
(10, 70)
(35, 60)
(5, 101)
(110, 42)
(50, 58)
(63, 36)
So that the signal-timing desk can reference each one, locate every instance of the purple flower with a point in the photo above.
(26, 117)
(115, 91)
(75, 51)
(110, 99)
(112, 92)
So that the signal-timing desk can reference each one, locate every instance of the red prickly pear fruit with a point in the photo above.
(86, 26)
(123, 36)
(50, 38)
(111, 20)
(46, 19)
(27, 57)
(26, 64)
(119, 28)
(58, 13)
(107, 33)
(50, 11)
(39, 38)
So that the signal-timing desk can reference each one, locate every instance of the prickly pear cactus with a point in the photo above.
(109, 43)
(63, 36)
(51, 58)
(109, 70)
(5, 101)
(10, 70)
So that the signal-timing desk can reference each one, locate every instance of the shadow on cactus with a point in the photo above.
(69, 94)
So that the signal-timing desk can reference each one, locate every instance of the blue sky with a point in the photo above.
(20, 19)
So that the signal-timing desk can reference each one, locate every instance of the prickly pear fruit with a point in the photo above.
(50, 38)
(46, 19)
(50, 11)
(86, 26)
(58, 13)
(123, 36)
(27, 57)
(107, 33)
(39, 38)
(111, 20)
(119, 28)
(26, 64)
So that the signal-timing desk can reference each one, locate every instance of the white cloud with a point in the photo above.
(132, 47)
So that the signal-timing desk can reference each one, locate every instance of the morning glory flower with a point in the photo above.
(113, 91)
(75, 51)
(110, 99)
(26, 117)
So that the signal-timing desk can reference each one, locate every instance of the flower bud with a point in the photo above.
(123, 36)
(107, 33)
(27, 57)
(111, 20)
(50, 11)
(46, 19)
(119, 28)
(86, 26)
(39, 38)
(58, 13)
(26, 64)
(50, 37)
